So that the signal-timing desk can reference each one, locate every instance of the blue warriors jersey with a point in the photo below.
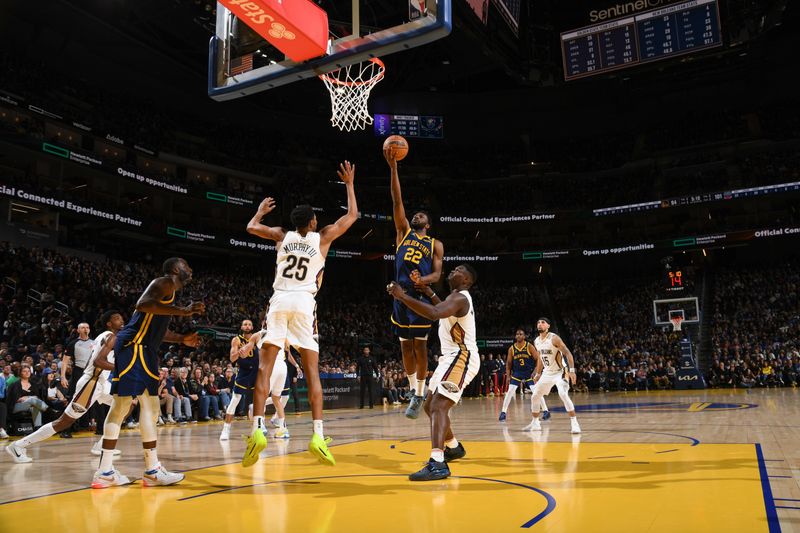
(523, 363)
(414, 253)
(146, 328)
(248, 363)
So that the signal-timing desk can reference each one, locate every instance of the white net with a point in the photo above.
(676, 322)
(349, 88)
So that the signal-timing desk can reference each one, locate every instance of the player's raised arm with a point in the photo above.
(150, 301)
(346, 173)
(248, 347)
(559, 344)
(255, 227)
(456, 304)
(401, 224)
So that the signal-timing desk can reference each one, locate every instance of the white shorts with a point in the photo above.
(292, 316)
(88, 391)
(546, 382)
(454, 373)
(278, 378)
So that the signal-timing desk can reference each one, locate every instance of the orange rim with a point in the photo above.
(374, 79)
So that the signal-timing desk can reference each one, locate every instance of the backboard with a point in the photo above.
(664, 310)
(241, 62)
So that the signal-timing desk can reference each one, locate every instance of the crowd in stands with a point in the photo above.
(613, 337)
(756, 327)
(45, 294)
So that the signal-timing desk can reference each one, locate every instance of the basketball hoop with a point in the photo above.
(676, 322)
(349, 88)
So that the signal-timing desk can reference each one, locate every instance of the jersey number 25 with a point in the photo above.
(296, 268)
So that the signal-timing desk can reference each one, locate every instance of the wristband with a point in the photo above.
(572, 370)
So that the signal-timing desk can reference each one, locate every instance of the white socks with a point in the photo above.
(106, 460)
(419, 390)
(453, 443)
(44, 432)
(318, 428)
(437, 455)
(258, 423)
(150, 459)
(412, 382)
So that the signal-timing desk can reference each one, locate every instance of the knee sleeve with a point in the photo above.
(117, 413)
(148, 409)
(233, 404)
(563, 393)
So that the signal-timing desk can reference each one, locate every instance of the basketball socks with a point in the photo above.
(282, 422)
(412, 382)
(106, 460)
(318, 428)
(226, 426)
(258, 423)
(452, 443)
(437, 455)
(44, 432)
(419, 389)
(150, 460)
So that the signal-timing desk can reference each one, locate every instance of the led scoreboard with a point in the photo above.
(640, 38)
(430, 127)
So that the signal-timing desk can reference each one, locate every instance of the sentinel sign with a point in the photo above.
(625, 8)
(15, 192)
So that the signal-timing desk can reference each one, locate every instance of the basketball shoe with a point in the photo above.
(535, 425)
(255, 444)
(112, 478)
(319, 449)
(160, 476)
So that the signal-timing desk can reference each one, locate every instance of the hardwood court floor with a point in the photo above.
(685, 461)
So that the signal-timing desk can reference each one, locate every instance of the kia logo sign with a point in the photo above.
(688, 378)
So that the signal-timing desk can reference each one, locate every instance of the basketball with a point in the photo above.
(398, 144)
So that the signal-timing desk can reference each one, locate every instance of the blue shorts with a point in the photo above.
(521, 381)
(407, 324)
(245, 382)
(136, 370)
(287, 385)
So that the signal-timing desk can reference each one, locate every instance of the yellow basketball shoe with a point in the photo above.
(319, 448)
(255, 445)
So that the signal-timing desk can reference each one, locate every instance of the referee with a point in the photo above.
(367, 370)
(77, 355)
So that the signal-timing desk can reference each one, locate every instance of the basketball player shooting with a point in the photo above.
(418, 264)
(458, 364)
(292, 309)
(550, 371)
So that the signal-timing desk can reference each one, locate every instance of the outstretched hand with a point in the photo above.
(395, 290)
(391, 158)
(266, 206)
(192, 340)
(346, 172)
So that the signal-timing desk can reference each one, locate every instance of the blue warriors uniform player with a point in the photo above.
(246, 376)
(520, 364)
(136, 372)
(418, 264)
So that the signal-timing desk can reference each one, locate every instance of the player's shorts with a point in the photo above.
(521, 381)
(407, 324)
(245, 381)
(135, 370)
(278, 378)
(88, 391)
(546, 382)
(454, 372)
(292, 316)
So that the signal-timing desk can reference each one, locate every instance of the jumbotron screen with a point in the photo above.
(632, 39)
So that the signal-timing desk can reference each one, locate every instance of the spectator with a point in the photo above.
(23, 395)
